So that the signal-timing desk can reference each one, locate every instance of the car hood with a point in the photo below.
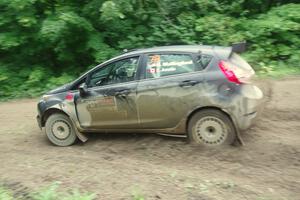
(60, 89)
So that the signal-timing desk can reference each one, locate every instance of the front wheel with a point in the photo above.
(211, 128)
(59, 130)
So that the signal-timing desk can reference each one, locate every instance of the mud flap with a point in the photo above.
(80, 135)
(239, 139)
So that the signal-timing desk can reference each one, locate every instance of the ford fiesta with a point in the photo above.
(203, 92)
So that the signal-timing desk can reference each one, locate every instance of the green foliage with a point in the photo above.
(48, 193)
(51, 193)
(137, 195)
(5, 194)
(46, 43)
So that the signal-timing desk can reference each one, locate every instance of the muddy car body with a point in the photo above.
(199, 91)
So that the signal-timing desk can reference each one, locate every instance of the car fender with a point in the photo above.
(224, 110)
(68, 107)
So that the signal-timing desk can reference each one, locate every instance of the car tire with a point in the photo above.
(60, 130)
(211, 127)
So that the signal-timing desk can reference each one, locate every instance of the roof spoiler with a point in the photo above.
(239, 47)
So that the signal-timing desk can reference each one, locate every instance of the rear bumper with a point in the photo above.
(247, 120)
(250, 106)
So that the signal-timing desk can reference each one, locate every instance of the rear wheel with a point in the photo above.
(59, 130)
(211, 128)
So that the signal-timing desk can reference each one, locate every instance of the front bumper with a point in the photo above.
(39, 121)
(41, 107)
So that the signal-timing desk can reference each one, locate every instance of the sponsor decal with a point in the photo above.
(156, 65)
(153, 70)
(176, 63)
(103, 102)
(154, 59)
(156, 70)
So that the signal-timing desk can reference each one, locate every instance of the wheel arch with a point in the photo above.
(191, 114)
(50, 112)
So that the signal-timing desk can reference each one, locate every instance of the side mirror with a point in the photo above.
(83, 90)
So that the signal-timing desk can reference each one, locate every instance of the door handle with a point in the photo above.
(188, 83)
(122, 93)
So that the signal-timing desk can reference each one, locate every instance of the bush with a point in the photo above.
(47, 43)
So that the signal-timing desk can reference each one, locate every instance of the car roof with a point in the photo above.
(205, 49)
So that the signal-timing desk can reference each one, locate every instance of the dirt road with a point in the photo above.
(116, 166)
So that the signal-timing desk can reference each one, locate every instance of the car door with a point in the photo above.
(110, 102)
(169, 90)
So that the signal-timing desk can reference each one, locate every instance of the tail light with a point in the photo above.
(228, 71)
(234, 73)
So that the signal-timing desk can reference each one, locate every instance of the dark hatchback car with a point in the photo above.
(203, 92)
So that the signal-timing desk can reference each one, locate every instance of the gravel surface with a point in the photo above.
(117, 166)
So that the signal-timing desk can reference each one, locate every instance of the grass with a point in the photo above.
(52, 192)
(277, 72)
(48, 193)
(5, 194)
(137, 194)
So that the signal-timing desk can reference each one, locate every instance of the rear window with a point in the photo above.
(203, 61)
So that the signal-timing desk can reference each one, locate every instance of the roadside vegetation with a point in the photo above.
(48, 193)
(52, 192)
(46, 43)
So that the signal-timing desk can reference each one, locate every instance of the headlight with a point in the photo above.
(45, 97)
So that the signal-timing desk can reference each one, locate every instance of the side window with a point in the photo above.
(117, 72)
(159, 65)
(202, 61)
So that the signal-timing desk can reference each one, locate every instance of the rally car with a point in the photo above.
(202, 92)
